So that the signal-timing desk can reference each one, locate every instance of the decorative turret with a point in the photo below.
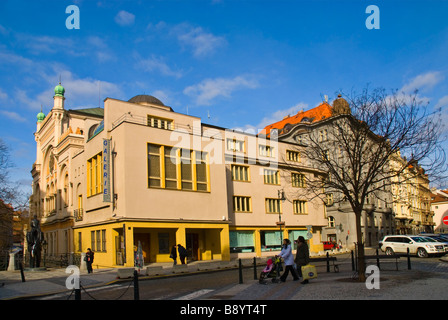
(59, 97)
(341, 106)
(59, 90)
(40, 116)
(58, 110)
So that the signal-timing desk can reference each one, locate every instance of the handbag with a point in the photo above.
(309, 272)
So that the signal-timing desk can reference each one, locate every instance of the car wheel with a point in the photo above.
(389, 251)
(421, 253)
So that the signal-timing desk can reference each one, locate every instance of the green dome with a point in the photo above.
(59, 90)
(40, 116)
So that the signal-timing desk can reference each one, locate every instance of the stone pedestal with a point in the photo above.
(11, 266)
(83, 264)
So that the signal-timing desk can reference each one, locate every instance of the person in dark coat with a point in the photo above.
(173, 255)
(182, 253)
(302, 256)
(89, 260)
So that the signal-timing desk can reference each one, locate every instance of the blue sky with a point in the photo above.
(235, 64)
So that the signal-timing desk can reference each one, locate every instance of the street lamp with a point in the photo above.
(281, 196)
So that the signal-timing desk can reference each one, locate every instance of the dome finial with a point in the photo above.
(59, 89)
(40, 115)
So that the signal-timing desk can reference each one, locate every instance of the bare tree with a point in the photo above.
(356, 146)
(10, 190)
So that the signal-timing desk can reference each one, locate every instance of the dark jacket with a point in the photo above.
(89, 256)
(182, 251)
(302, 255)
(173, 254)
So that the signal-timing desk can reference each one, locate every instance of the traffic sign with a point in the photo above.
(445, 220)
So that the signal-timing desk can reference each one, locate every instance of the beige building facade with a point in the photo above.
(136, 174)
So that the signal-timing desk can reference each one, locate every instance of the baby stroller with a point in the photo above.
(272, 270)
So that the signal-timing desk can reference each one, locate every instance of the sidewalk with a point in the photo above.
(424, 281)
(52, 281)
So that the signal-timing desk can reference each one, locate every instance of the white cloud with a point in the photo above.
(202, 43)
(157, 64)
(442, 103)
(3, 95)
(124, 18)
(423, 82)
(280, 114)
(13, 116)
(79, 93)
(275, 117)
(210, 89)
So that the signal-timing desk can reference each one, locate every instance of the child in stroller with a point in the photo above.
(272, 270)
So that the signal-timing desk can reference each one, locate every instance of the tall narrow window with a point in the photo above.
(201, 171)
(170, 168)
(186, 170)
(154, 166)
(92, 240)
(95, 175)
(103, 240)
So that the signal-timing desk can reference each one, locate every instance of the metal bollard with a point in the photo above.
(328, 262)
(78, 294)
(353, 260)
(240, 271)
(255, 269)
(21, 272)
(409, 259)
(377, 259)
(136, 290)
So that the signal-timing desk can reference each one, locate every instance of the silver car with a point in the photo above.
(421, 246)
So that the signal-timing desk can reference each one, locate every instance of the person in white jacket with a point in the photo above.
(288, 257)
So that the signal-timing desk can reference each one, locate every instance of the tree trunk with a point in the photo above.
(360, 247)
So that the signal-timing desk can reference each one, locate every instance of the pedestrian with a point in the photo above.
(302, 256)
(182, 253)
(89, 260)
(173, 255)
(288, 257)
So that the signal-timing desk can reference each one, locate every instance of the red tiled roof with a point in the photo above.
(322, 111)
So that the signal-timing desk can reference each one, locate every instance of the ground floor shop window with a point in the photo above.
(241, 241)
(271, 240)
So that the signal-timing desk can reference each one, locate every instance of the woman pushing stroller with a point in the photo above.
(288, 257)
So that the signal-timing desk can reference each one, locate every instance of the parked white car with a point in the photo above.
(421, 246)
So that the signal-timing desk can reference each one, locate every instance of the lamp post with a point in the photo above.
(281, 197)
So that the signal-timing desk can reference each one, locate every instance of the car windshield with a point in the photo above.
(423, 239)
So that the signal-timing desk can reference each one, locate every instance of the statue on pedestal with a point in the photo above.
(34, 239)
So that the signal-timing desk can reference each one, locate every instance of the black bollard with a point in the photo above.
(21, 272)
(409, 260)
(255, 269)
(353, 260)
(377, 259)
(136, 290)
(328, 262)
(240, 271)
(78, 294)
